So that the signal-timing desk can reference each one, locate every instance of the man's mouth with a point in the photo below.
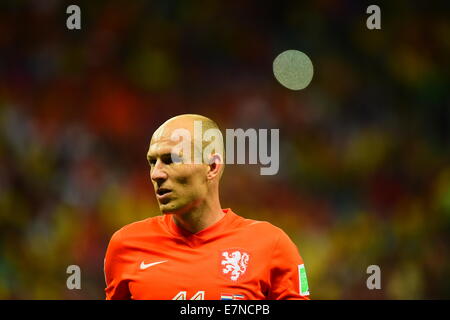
(162, 193)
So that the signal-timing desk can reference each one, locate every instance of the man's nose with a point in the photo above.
(158, 173)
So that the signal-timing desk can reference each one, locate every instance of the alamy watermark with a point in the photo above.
(209, 142)
(73, 21)
(373, 22)
(374, 281)
(74, 280)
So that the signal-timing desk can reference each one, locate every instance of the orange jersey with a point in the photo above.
(233, 259)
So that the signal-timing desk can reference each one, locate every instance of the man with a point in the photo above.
(196, 249)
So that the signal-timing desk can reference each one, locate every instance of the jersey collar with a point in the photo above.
(204, 235)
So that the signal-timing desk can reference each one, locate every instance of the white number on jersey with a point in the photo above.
(200, 295)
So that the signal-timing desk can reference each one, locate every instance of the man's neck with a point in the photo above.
(199, 217)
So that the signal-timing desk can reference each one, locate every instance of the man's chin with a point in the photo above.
(165, 210)
(177, 208)
(173, 208)
(168, 208)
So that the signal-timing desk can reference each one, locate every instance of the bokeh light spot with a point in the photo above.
(293, 69)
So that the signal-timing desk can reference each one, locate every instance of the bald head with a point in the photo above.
(195, 138)
(184, 121)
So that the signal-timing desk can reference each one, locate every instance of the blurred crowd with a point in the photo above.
(364, 150)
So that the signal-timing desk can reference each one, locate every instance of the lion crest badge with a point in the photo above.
(234, 263)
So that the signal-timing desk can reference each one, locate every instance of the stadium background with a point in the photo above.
(364, 172)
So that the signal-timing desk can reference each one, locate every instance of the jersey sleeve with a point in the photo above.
(287, 272)
(114, 268)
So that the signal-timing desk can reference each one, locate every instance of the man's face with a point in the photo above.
(178, 186)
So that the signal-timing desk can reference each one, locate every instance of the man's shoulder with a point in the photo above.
(138, 227)
(260, 227)
(269, 236)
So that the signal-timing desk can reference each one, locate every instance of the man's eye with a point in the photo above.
(152, 162)
(166, 159)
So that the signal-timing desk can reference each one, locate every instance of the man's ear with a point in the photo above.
(214, 166)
